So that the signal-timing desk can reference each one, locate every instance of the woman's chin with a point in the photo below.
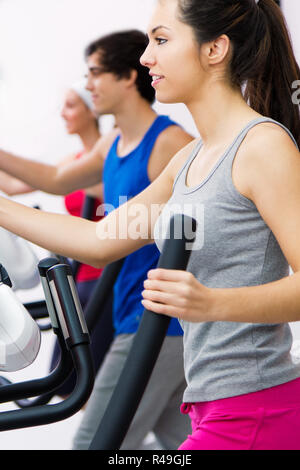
(165, 98)
(70, 131)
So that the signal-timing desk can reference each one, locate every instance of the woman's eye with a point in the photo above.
(160, 41)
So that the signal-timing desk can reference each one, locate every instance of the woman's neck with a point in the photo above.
(220, 112)
(89, 137)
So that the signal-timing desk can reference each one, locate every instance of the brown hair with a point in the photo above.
(120, 53)
(263, 59)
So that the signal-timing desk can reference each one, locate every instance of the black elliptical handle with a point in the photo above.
(146, 345)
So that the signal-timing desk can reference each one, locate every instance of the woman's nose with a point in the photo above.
(147, 59)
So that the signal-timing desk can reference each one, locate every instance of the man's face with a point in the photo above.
(107, 90)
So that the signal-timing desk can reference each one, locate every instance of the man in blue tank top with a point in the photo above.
(135, 153)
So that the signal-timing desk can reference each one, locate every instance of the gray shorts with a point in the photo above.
(159, 409)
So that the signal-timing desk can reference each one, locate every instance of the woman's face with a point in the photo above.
(76, 114)
(172, 56)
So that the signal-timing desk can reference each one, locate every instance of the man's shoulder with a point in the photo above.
(105, 142)
(172, 139)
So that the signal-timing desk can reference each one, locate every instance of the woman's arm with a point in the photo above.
(13, 186)
(96, 191)
(123, 231)
(271, 166)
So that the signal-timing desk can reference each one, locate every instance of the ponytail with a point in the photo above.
(263, 59)
(270, 89)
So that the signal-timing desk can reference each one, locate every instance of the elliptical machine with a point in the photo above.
(67, 318)
(68, 323)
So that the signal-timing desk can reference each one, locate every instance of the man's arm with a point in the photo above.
(60, 179)
(13, 186)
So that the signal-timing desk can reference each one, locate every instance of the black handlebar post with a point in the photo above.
(41, 308)
(72, 323)
(63, 292)
(43, 267)
(101, 292)
(146, 346)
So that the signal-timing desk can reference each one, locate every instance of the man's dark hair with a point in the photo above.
(120, 53)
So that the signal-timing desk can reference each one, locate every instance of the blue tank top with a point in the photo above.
(124, 178)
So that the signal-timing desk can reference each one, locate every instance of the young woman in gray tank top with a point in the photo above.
(241, 181)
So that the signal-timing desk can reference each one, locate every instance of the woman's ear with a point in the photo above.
(216, 51)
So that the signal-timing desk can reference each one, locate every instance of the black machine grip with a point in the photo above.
(67, 304)
(145, 348)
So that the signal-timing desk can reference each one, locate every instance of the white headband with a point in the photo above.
(83, 93)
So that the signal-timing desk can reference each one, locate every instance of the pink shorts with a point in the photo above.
(264, 420)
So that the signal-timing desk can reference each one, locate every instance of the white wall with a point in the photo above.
(291, 9)
(45, 41)
(41, 53)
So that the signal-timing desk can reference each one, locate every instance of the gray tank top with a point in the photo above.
(234, 248)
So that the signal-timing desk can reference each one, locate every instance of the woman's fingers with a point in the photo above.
(177, 294)
(164, 298)
(165, 286)
(162, 308)
(169, 275)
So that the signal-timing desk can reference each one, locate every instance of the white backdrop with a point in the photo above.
(41, 54)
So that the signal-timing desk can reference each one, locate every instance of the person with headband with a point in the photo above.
(80, 89)
(80, 120)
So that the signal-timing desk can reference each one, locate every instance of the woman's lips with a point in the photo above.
(156, 79)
